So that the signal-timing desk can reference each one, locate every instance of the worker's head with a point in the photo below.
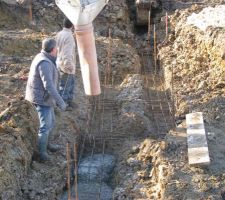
(49, 46)
(67, 23)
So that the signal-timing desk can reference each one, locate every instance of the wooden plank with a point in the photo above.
(198, 152)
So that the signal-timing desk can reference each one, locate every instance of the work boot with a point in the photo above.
(42, 145)
(44, 157)
(72, 105)
(53, 147)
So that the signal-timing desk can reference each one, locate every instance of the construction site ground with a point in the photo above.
(139, 116)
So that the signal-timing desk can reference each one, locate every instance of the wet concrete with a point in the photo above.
(94, 174)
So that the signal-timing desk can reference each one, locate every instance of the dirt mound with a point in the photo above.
(146, 169)
(123, 60)
(42, 16)
(18, 136)
(115, 16)
(197, 61)
(143, 173)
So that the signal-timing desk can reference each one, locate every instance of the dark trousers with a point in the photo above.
(67, 86)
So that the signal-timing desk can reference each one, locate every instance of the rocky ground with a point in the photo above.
(147, 167)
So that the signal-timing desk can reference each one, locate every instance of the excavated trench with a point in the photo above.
(125, 150)
(99, 158)
(124, 126)
(126, 113)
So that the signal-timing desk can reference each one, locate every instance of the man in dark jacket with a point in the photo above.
(42, 91)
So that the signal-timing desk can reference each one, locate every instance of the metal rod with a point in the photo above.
(172, 95)
(149, 28)
(166, 25)
(111, 127)
(102, 114)
(155, 50)
(109, 58)
(103, 154)
(82, 149)
(75, 171)
(68, 169)
(30, 11)
(92, 153)
(110, 53)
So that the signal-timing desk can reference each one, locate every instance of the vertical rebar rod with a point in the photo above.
(82, 149)
(30, 11)
(109, 58)
(88, 124)
(158, 99)
(102, 113)
(75, 171)
(110, 68)
(92, 153)
(172, 95)
(166, 25)
(149, 37)
(93, 147)
(111, 125)
(155, 49)
(103, 154)
(149, 28)
(68, 169)
(95, 108)
(110, 53)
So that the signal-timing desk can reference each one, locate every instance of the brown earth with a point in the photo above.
(148, 166)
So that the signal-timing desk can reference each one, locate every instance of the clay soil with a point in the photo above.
(150, 164)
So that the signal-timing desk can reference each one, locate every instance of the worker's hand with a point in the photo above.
(63, 106)
(57, 111)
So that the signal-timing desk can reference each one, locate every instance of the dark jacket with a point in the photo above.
(42, 82)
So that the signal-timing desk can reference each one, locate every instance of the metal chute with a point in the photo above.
(81, 12)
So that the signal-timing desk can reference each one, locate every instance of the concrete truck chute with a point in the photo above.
(82, 13)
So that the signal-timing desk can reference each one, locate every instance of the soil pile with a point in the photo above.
(18, 138)
(24, 177)
(197, 60)
(149, 168)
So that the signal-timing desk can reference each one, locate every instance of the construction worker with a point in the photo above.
(66, 62)
(42, 91)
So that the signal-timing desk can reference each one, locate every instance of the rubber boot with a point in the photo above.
(71, 104)
(53, 147)
(43, 141)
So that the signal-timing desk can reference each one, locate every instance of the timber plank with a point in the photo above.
(198, 152)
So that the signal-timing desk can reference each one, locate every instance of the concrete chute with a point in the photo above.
(82, 13)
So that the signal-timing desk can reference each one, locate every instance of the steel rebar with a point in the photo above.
(30, 11)
(172, 94)
(75, 172)
(155, 50)
(68, 170)
(149, 29)
(103, 154)
(166, 25)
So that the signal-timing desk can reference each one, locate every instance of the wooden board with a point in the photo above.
(198, 152)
